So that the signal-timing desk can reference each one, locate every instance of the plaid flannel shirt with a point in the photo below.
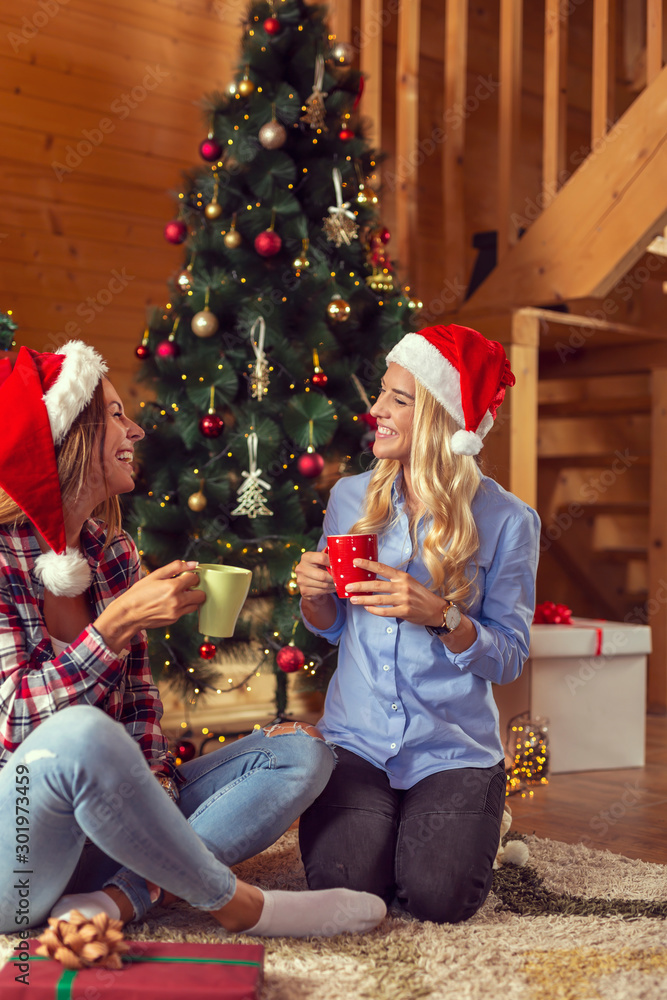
(34, 682)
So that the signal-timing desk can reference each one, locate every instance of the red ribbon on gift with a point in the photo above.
(549, 613)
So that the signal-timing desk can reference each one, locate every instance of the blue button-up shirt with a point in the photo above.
(399, 698)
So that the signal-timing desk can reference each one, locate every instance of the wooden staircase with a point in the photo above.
(586, 443)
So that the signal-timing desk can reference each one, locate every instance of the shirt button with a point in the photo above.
(390, 630)
(395, 707)
(386, 667)
(393, 746)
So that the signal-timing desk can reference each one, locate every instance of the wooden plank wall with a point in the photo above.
(110, 91)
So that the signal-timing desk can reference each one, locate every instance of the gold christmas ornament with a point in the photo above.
(338, 310)
(82, 943)
(245, 86)
(197, 501)
(343, 53)
(213, 210)
(232, 237)
(292, 587)
(340, 226)
(301, 263)
(273, 135)
(204, 324)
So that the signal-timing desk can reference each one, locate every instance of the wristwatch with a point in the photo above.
(169, 785)
(451, 619)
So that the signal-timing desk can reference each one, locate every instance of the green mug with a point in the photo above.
(226, 588)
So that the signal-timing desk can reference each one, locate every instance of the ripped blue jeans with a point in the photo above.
(95, 815)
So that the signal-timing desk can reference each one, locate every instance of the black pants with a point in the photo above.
(430, 847)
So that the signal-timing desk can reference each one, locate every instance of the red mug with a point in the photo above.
(342, 549)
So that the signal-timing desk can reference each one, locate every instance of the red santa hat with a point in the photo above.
(465, 372)
(41, 396)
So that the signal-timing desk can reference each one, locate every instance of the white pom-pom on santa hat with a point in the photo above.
(65, 575)
(466, 443)
(464, 371)
(41, 395)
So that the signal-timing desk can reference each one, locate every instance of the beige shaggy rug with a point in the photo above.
(574, 924)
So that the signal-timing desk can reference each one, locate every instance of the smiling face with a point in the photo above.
(120, 436)
(394, 411)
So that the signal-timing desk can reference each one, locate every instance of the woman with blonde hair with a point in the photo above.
(101, 818)
(412, 811)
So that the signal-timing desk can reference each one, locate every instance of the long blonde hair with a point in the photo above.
(75, 458)
(445, 485)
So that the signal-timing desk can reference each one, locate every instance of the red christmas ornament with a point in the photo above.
(290, 658)
(268, 243)
(345, 134)
(207, 650)
(185, 750)
(369, 420)
(210, 150)
(319, 378)
(175, 231)
(142, 352)
(211, 425)
(167, 350)
(385, 235)
(310, 464)
(272, 26)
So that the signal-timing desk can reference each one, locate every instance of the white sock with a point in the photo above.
(322, 912)
(88, 904)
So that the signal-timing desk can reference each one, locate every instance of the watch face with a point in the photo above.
(452, 617)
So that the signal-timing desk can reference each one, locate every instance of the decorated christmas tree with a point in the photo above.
(261, 368)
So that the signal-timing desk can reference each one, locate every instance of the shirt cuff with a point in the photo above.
(473, 652)
(332, 634)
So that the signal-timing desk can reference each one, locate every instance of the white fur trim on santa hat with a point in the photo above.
(81, 371)
(426, 363)
(66, 575)
(466, 443)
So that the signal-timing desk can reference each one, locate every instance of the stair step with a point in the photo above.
(595, 407)
(600, 460)
(620, 532)
(595, 435)
(636, 577)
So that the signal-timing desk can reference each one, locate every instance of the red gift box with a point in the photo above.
(150, 969)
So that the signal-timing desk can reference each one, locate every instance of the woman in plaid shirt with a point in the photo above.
(99, 808)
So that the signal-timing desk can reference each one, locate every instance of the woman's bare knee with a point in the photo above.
(283, 728)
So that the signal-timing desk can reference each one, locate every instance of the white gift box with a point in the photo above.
(589, 680)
